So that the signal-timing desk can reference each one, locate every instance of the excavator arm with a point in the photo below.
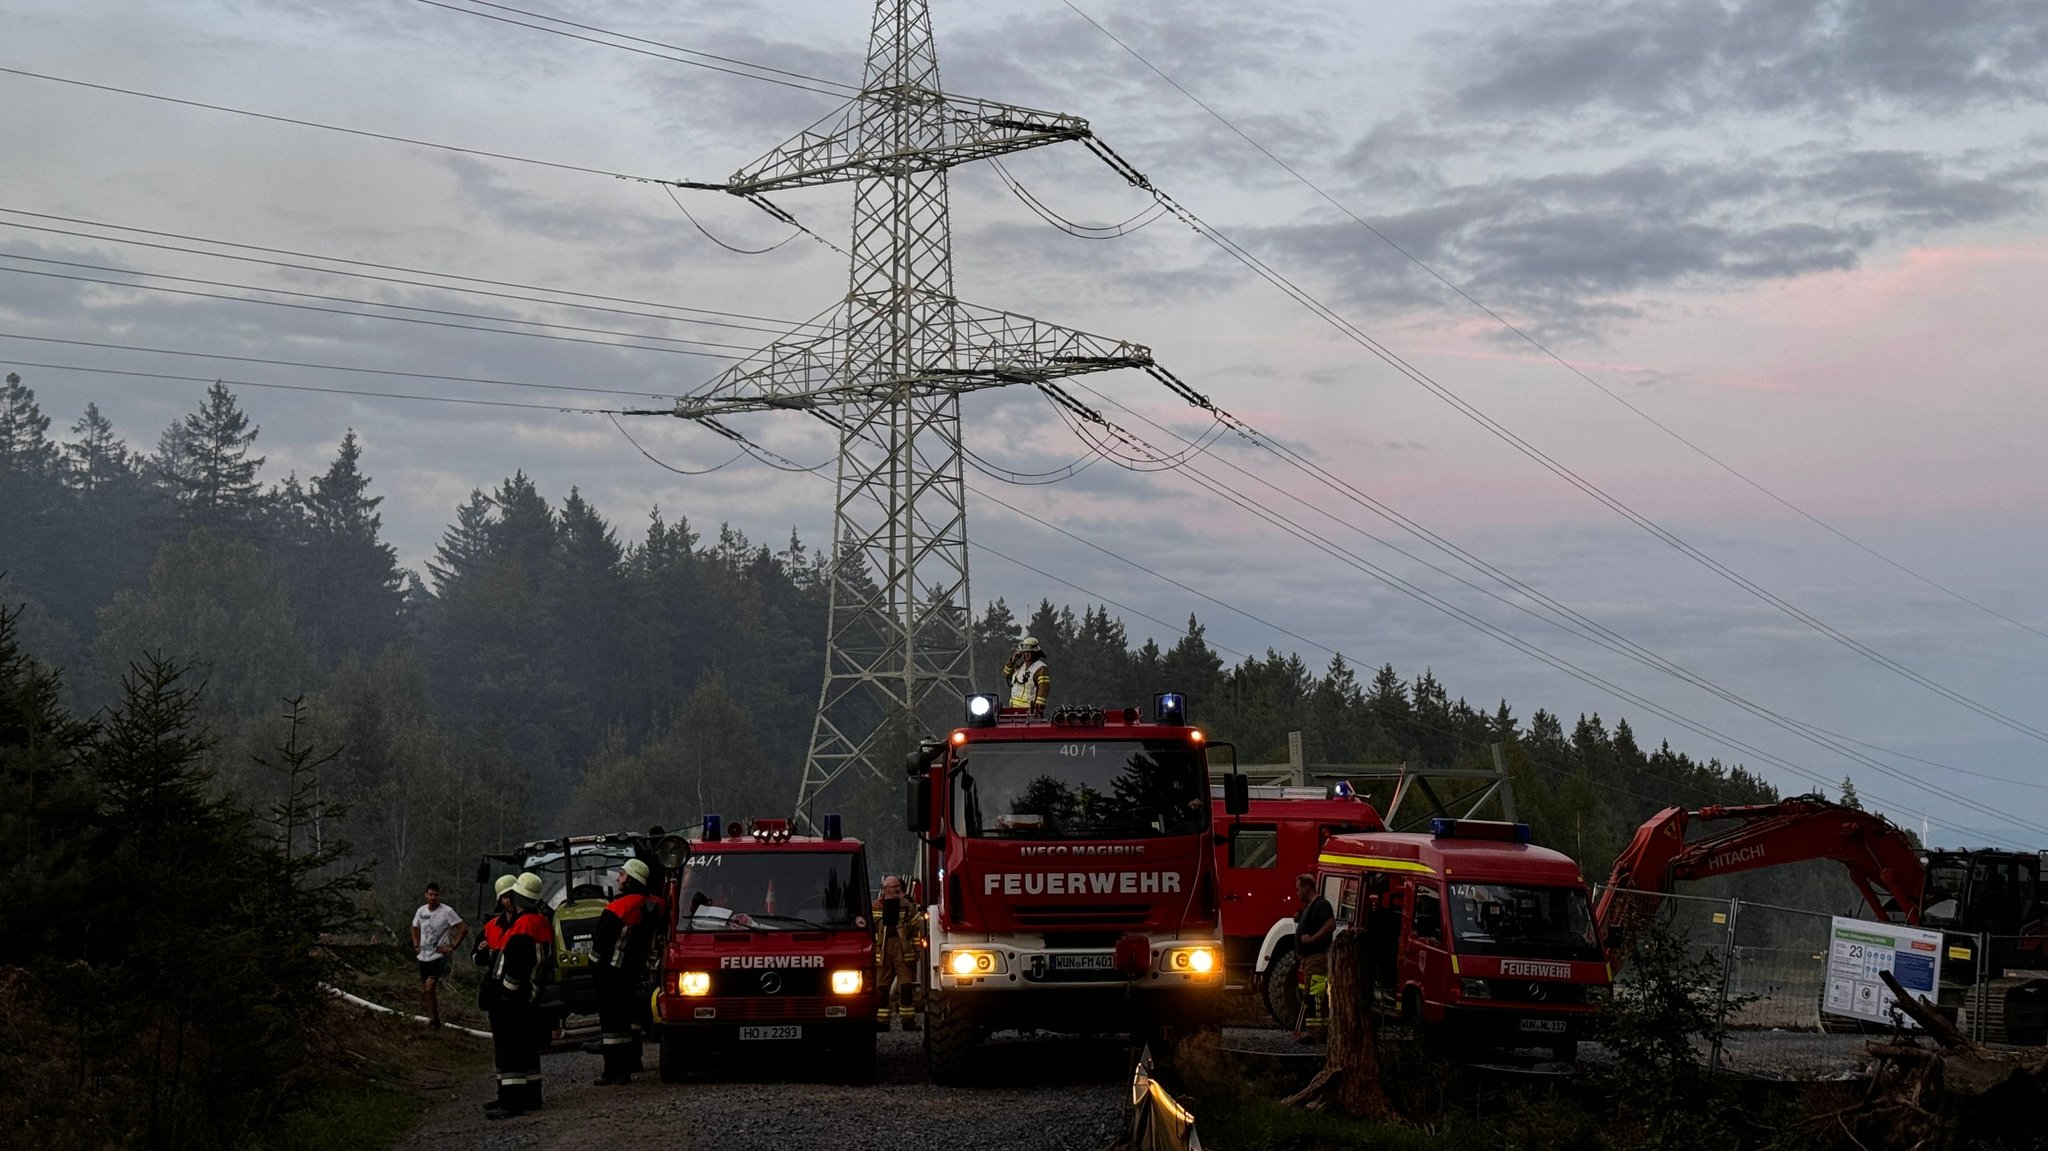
(1882, 862)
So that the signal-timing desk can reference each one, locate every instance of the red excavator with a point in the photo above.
(1964, 893)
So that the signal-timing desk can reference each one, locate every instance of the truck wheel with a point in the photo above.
(950, 1038)
(675, 1058)
(1283, 998)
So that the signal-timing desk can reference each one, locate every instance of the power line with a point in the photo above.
(371, 303)
(749, 75)
(1533, 650)
(334, 127)
(361, 315)
(310, 388)
(401, 280)
(329, 367)
(1549, 463)
(1533, 342)
(1566, 619)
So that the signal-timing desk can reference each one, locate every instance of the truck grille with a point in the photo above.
(777, 1007)
(1094, 915)
(1529, 991)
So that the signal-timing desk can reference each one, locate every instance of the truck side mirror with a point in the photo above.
(1237, 793)
(919, 813)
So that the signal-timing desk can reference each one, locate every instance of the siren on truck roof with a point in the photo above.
(770, 830)
(1170, 709)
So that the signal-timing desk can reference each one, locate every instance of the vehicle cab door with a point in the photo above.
(1426, 959)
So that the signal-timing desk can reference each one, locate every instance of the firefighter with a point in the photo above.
(899, 925)
(1029, 675)
(1313, 927)
(619, 954)
(518, 939)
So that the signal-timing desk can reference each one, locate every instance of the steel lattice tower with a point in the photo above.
(890, 376)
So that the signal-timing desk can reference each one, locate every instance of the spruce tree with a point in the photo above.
(204, 460)
(25, 447)
(96, 459)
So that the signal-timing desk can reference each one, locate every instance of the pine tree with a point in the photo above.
(204, 460)
(1849, 796)
(460, 557)
(346, 585)
(96, 459)
(25, 447)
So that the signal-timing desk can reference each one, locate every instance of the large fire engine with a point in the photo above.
(1992, 904)
(1476, 936)
(1071, 863)
(771, 953)
(1258, 854)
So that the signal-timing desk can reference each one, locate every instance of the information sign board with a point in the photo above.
(1859, 950)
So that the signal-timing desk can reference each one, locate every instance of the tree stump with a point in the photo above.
(1350, 1077)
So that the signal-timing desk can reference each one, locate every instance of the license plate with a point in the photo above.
(785, 1031)
(1083, 962)
(1546, 1026)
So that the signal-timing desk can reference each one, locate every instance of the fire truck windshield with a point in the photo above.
(1524, 922)
(772, 891)
(1079, 789)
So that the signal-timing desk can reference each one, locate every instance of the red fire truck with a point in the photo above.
(1071, 862)
(1258, 855)
(771, 953)
(1477, 936)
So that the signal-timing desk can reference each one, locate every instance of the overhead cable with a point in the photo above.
(1533, 342)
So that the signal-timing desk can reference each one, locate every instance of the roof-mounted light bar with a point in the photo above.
(1492, 829)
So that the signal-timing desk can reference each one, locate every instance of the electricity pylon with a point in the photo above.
(889, 376)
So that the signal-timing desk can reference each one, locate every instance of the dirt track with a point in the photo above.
(1041, 1095)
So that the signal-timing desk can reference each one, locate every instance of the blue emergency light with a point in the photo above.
(714, 829)
(832, 825)
(1170, 709)
(1342, 790)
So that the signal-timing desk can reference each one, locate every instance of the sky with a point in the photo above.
(1715, 325)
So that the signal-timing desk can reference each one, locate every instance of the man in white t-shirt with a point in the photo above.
(437, 930)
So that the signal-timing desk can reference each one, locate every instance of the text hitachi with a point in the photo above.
(1080, 882)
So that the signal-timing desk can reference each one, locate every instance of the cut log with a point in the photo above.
(1350, 1078)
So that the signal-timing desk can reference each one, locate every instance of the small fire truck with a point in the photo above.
(771, 952)
(1258, 855)
(1071, 861)
(1476, 936)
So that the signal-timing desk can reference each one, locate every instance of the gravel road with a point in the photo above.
(1042, 1095)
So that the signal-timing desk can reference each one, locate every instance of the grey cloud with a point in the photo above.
(1677, 57)
(1563, 247)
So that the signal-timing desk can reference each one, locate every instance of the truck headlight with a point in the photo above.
(693, 983)
(1474, 989)
(1190, 960)
(965, 963)
(846, 983)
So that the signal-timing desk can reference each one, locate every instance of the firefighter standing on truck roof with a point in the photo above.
(1029, 675)
(625, 934)
(899, 925)
(517, 944)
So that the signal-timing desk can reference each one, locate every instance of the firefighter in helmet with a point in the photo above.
(899, 929)
(619, 955)
(1029, 675)
(517, 943)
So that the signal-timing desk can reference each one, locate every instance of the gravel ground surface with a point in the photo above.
(1042, 1095)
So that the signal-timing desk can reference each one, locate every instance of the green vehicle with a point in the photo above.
(578, 875)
